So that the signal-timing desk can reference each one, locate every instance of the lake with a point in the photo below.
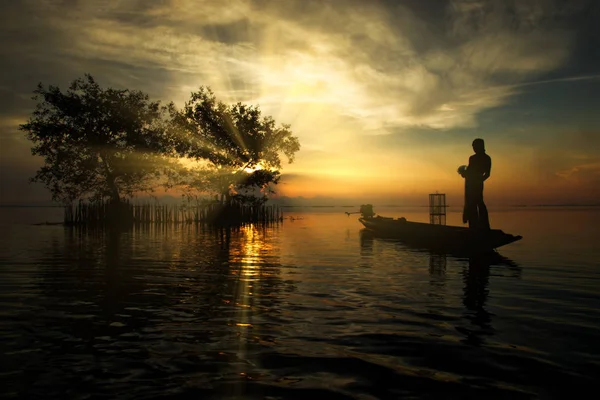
(310, 308)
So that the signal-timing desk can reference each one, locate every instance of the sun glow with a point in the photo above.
(253, 169)
(381, 97)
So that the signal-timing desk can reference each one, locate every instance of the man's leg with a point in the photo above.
(483, 217)
(471, 211)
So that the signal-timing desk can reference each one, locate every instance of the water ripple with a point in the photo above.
(307, 309)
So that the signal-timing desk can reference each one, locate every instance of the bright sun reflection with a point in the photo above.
(245, 263)
(247, 268)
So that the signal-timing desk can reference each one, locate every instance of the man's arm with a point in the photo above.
(488, 168)
(466, 173)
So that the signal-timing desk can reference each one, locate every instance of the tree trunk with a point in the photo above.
(111, 181)
(114, 190)
(225, 198)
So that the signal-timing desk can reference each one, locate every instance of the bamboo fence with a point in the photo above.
(127, 213)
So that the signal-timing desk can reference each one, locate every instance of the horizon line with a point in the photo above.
(349, 206)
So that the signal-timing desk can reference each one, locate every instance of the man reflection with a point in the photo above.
(476, 277)
(475, 292)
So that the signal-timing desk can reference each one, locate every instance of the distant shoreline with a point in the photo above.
(357, 206)
(26, 206)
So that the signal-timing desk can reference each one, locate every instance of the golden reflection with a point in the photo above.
(245, 264)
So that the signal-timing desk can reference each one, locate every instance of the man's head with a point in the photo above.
(478, 146)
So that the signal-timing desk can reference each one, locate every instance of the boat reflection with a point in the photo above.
(366, 243)
(437, 264)
(475, 270)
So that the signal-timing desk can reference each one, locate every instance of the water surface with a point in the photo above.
(311, 307)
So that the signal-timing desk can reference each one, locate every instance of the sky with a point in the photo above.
(385, 96)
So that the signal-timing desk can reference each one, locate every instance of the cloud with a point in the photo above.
(568, 162)
(385, 79)
(334, 70)
(582, 173)
(367, 59)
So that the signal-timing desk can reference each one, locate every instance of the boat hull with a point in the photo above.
(438, 237)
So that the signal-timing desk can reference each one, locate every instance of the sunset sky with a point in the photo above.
(385, 96)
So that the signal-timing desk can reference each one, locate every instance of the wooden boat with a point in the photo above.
(442, 238)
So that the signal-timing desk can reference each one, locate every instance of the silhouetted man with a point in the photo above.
(480, 166)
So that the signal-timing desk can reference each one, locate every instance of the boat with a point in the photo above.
(443, 238)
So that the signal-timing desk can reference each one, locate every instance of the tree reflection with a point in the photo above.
(162, 301)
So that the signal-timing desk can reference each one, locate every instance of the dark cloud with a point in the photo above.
(585, 56)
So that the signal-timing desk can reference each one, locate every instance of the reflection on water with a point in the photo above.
(313, 308)
(476, 278)
(437, 265)
(475, 273)
(127, 306)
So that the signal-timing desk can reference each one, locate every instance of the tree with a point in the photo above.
(97, 143)
(241, 147)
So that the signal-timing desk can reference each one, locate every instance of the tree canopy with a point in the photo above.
(97, 143)
(243, 148)
(112, 143)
